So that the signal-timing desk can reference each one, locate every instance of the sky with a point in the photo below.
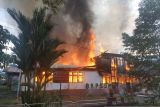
(111, 19)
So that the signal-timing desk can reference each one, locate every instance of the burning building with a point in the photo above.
(114, 68)
(78, 68)
(109, 69)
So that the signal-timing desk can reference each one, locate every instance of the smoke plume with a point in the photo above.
(112, 18)
(25, 6)
(79, 20)
(80, 12)
(74, 27)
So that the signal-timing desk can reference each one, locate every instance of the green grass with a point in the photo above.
(8, 101)
(7, 96)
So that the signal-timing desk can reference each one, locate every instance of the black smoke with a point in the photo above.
(80, 12)
(74, 25)
(82, 15)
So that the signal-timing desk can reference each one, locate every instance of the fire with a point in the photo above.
(114, 76)
(127, 67)
(80, 54)
(91, 48)
(101, 48)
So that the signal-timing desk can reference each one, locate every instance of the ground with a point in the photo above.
(7, 97)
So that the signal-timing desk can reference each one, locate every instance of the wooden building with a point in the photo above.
(109, 69)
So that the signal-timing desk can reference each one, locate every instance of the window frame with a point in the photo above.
(76, 77)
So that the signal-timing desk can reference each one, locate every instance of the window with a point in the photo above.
(75, 77)
(107, 79)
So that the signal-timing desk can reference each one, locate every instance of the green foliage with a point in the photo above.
(44, 48)
(4, 35)
(145, 42)
(144, 45)
(36, 52)
(146, 38)
(21, 43)
(6, 59)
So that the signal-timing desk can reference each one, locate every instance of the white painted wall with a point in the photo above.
(89, 77)
(92, 77)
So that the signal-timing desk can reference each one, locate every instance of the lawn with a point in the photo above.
(7, 96)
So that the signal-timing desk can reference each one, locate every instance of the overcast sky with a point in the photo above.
(111, 18)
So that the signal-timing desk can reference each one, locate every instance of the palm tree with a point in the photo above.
(35, 50)
(44, 49)
(21, 45)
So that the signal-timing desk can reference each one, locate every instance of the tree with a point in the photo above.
(44, 48)
(36, 52)
(6, 59)
(4, 39)
(21, 43)
(4, 35)
(144, 44)
(146, 38)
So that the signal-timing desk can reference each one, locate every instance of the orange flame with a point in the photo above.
(101, 48)
(78, 55)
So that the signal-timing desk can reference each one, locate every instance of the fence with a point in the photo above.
(80, 103)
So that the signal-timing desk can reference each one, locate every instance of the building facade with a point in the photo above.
(110, 69)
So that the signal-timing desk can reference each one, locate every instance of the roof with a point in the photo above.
(12, 69)
(76, 69)
(110, 55)
(57, 65)
(61, 67)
